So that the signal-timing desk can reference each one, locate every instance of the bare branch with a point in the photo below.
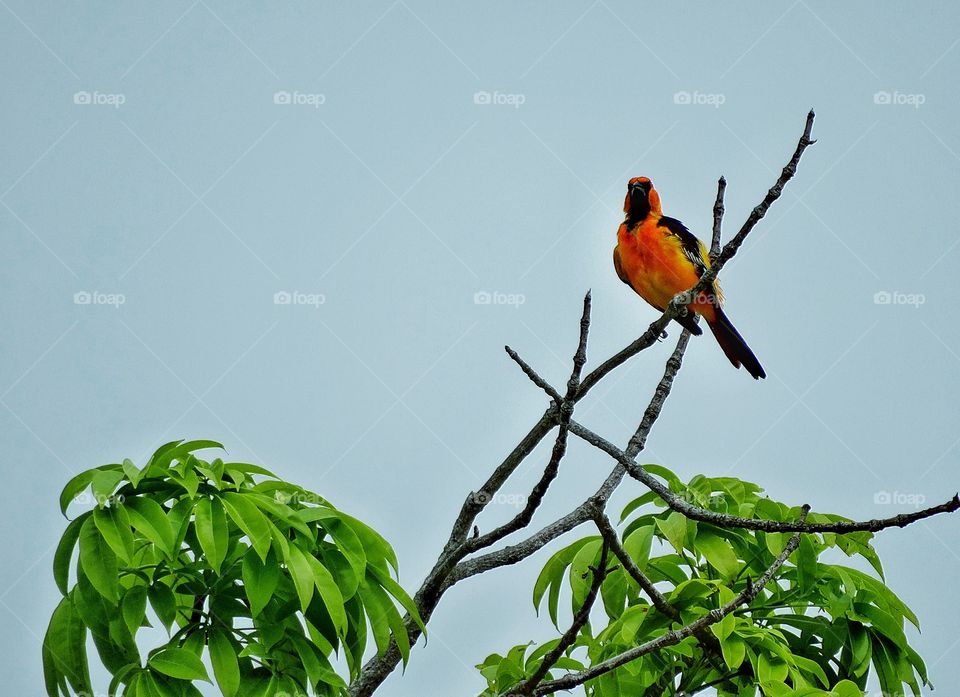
(717, 219)
(523, 518)
(589, 508)
(660, 394)
(613, 541)
(533, 375)
(724, 520)
(773, 194)
(675, 636)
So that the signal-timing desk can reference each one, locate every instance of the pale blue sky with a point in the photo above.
(398, 198)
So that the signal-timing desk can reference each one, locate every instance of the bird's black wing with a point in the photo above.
(692, 248)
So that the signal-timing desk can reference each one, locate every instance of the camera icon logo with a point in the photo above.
(482, 97)
(682, 97)
(81, 97)
(482, 297)
(82, 297)
(882, 297)
(281, 298)
(882, 97)
(281, 97)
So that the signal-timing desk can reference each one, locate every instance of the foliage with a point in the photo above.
(815, 629)
(263, 577)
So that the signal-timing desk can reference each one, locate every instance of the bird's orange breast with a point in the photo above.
(653, 262)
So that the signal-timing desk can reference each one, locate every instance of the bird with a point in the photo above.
(658, 257)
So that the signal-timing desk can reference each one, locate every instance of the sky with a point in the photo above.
(307, 230)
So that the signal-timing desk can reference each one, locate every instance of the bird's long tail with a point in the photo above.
(734, 346)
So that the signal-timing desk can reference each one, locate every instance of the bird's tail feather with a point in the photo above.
(734, 346)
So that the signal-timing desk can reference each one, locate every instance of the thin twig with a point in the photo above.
(587, 510)
(610, 537)
(533, 375)
(717, 219)
(725, 520)
(569, 636)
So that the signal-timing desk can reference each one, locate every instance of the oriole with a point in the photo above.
(659, 257)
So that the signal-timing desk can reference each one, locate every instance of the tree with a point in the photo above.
(267, 578)
(710, 584)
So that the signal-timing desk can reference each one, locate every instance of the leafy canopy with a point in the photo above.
(265, 578)
(816, 628)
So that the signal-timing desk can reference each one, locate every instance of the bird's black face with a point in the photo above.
(639, 193)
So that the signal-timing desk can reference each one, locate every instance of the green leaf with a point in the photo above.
(581, 574)
(806, 561)
(846, 688)
(148, 517)
(259, 579)
(887, 674)
(98, 561)
(724, 627)
(859, 649)
(881, 621)
(551, 577)
(279, 512)
(378, 606)
(64, 553)
(133, 607)
(64, 650)
(316, 664)
(178, 663)
(250, 519)
(734, 650)
(212, 530)
(637, 544)
(114, 526)
(104, 483)
(330, 593)
(674, 528)
(164, 603)
(223, 658)
(73, 488)
(302, 575)
(374, 545)
(771, 668)
(400, 595)
(249, 469)
(637, 503)
(718, 552)
(132, 472)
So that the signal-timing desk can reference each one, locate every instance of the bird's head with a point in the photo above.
(641, 199)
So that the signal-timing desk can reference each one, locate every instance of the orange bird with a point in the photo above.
(659, 257)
